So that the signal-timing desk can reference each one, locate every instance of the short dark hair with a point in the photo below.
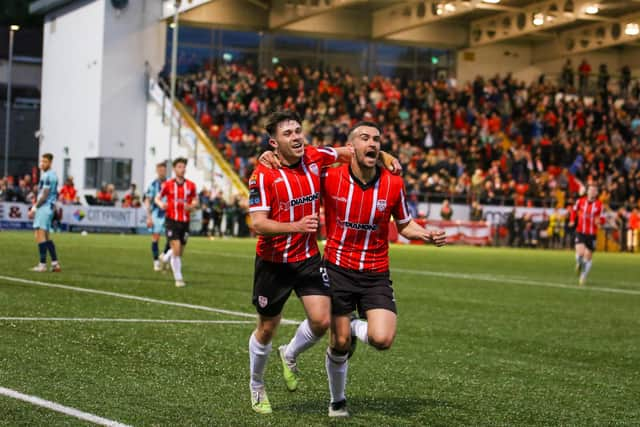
(278, 117)
(363, 124)
(163, 164)
(180, 160)
(48, 156)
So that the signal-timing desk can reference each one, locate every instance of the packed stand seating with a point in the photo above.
(498, 141)
(21, 190)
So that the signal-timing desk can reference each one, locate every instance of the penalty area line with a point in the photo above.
(85, 416)
(109, 320)
(138, 298)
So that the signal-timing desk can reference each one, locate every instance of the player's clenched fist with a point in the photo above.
(439, 238)
(308, 224)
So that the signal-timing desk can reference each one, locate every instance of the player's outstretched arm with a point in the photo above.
(270, 159)
(268, 227)
(386, 160)
(412, 231)
(344, 154)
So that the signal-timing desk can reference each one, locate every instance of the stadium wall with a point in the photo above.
(631, 57)
(131, 38)
(95, 60)
(71, 85)
(487, 61)
(521, 60)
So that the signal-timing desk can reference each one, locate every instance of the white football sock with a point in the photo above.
(360, 329)
(303, 339)
(166, 257)
(586, 268)
(579, 259)
(176, 266)
(336, 365)
(258, 356)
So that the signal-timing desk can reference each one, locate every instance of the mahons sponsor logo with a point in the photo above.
(357, 226)
(301, 201)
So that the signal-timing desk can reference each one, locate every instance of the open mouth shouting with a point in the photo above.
(371, 153)
(298, 146)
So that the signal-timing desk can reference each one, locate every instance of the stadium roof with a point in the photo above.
(46, 6)
(554, 27)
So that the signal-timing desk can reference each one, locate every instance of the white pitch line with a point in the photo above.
(60, 408)
(484, 277)
(98, 319)
(137, 298)
(489, 278)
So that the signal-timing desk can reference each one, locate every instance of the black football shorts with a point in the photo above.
(274, 281)
(588, 240)
(177, 230)
(354, 290)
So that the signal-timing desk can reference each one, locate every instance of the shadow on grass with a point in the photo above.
(393, 406)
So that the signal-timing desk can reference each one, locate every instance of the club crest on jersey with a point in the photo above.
(381, 205)
(253, 180)
(314, 169)
(263, 301)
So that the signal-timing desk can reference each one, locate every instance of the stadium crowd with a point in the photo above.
(494, 141)
(497, 141)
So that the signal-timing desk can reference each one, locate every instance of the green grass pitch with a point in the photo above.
(485, 337)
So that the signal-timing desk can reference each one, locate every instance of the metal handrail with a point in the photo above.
(225, 166)
(212, 149)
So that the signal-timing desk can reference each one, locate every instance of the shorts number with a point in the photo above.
(325, 276)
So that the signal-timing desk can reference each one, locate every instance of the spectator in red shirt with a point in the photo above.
(585, 71)
(235, 133)
(131, 198)
(103, 196)
(107, 195)
(494, 123)
(68, 193)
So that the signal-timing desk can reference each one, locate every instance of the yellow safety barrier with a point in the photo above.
(605, 242)
(213, 150)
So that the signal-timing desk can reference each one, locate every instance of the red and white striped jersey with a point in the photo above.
(589, 215)
(179, 196)
(289, 194)
(358, 216)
